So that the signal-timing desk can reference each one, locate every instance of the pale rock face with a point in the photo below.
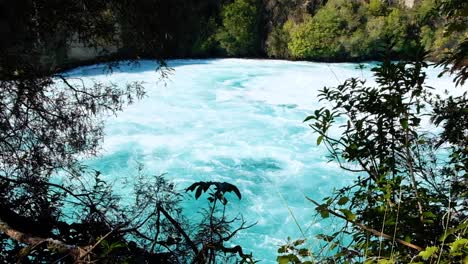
(409, 3)
(79, 52)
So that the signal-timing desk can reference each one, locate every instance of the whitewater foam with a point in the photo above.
(238, 121)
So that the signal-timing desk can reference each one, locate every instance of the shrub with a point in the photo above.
(239, 35)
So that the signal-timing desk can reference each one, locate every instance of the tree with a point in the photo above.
(277, 42)
(377, 7)
(316, 37)
(239, 35)
(52, 207)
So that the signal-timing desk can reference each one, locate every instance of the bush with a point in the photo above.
(239, 35)
(408, 202)
(277, 41)
(317, 37)
(377, 8)
(206, 43)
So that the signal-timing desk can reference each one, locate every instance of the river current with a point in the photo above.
(236, 121)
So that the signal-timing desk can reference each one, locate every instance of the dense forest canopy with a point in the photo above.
(331, 30)
(407, 205)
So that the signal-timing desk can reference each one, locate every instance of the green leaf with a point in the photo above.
(404, 123)
(428, 252)
(198, 192)
(458, 245)
(323, 210)
(192, 187)
(454, 230)
(304, 252)
(117, 245)
(319, 139)
(299, 242)
(105, 244)
(308, 118)
(282, 259)
(324, 213)
(385, 261)
(283, 249)
(348, 214)
(429, 214)
(343, 200)
(236, 191)
(293, 258)
(325, 237)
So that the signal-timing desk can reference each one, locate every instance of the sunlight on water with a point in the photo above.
(238, 121)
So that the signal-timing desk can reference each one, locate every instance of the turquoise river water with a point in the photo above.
(238, 121)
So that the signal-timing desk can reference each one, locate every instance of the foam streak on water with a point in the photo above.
(238, 121)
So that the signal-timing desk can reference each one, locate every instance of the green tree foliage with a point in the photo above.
(357, 30)
(239, 35)
(278, 39)
(176, 24)
(408, 203)
(211, 28)
(377, 8)
(294, 252)
(206, 43)
(315, 38)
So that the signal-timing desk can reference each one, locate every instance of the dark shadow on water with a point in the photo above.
(243, 165)
(133, 67)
